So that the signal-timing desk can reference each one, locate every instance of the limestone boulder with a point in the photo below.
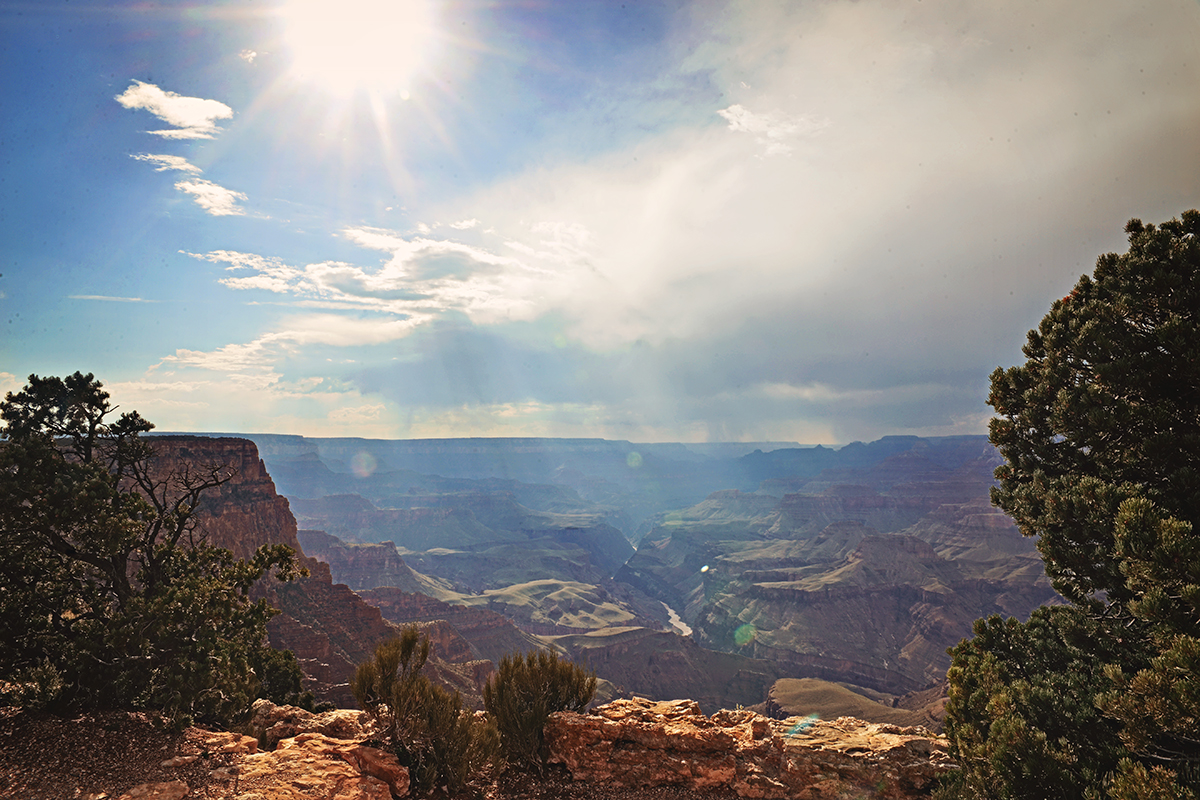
(314, 765)
(272, 723)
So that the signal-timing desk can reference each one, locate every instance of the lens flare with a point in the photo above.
(363, 464)
(803, 725)
(745, 634)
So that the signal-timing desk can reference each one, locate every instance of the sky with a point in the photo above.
(815, 222)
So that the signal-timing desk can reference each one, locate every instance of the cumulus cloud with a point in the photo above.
(191, 117)
(773, 131)
(167, 162)
(424, 278)
(869, 282)
(465, 224)
(213, 198)
(9, 383)
(689, 287)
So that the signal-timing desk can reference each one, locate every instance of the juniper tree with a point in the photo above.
(1100, 432)
(110, 596)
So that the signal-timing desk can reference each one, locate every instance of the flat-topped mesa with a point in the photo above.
(642, 743)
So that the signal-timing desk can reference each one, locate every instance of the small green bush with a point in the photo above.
(523, 694)
(445, 748)
(282, 680)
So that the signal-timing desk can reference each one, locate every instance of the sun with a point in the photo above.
(346, 46)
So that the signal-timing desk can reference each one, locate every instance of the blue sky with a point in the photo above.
(800, 221)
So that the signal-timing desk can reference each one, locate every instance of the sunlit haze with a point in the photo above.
(654, 221)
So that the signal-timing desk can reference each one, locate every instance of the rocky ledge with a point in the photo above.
(642, 743)
(626, 750)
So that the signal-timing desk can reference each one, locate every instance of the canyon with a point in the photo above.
(713, 574)
(764, 624)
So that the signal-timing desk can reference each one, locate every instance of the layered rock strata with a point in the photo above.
(490, 635)
(329, 628)
(643, 743)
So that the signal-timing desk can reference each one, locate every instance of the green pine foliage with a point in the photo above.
(110, 597)
(1100, 432)
(282, 681)
(1022, 715)
(447, 749)
(522, 695)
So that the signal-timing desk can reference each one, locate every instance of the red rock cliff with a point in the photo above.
(327, 626)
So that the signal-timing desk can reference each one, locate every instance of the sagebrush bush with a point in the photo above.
(522, 695)
(445, 747)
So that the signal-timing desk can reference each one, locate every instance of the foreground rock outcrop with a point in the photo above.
(315, 765)
(642, 743)
(271, 723)
(306, 765)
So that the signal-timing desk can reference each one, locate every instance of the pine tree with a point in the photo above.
(1100, 431)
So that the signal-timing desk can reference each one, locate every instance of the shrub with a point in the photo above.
(282, 680)
(444, 747)
(523, 694)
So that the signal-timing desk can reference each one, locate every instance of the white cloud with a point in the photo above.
(984, 155)
(109, 298)
(248, 56)
(177, 396)
(256, 362)
(166, 162)
(215, 199)
(866, 283)
(272, 274)
(256, 357)
(358, 414)
(465, 224)
(772, 131)
(192, 117)
(9, 383)
(424, 277)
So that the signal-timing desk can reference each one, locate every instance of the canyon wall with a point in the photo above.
(329, 628)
